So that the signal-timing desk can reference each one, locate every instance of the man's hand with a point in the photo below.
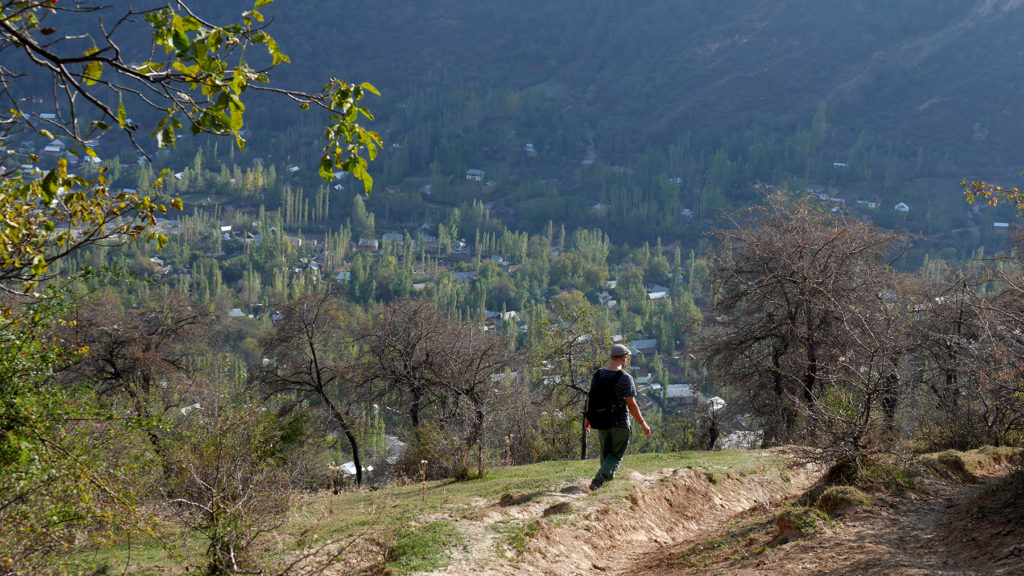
(647, 429)
(586, 425)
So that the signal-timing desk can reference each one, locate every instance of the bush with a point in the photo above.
(795, 522)
(839, 500)
(227, 481)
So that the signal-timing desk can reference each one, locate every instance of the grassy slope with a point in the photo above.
(413, 527)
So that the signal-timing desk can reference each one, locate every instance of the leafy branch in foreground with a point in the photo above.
(992, 194)
(196, 75)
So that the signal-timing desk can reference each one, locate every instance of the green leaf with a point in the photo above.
(93, 71)
(180, 40)
(326, 167)
(262, 3)
(50, 185)
(149, 67)
(100, 124)
(370, 88)
(165, 137)
(236, 108)
(38, 266)
(122, 115)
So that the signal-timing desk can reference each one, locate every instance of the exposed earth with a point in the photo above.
(690, 522)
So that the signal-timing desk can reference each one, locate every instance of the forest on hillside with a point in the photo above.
(209, 308)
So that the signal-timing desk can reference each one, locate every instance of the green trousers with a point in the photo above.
(613, 447)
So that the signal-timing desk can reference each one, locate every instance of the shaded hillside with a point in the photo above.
(941, 77)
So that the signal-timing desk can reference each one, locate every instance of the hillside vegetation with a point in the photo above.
(686, 513)
(210, 320)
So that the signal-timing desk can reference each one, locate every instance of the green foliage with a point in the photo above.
(227, 481)
(201, 77)
(69, 467)
(52, 217)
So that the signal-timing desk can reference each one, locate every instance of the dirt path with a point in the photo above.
(576, 533)
(951, 528)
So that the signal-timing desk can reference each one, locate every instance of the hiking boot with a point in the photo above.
(596, 483)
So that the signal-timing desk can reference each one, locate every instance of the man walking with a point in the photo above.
(611, 400)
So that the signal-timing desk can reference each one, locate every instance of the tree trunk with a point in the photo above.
(810, 374)
(355, 456)
(340, 419)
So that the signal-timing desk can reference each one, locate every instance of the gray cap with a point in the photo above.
(619, 350)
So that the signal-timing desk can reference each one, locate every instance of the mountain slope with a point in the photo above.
(945, 77)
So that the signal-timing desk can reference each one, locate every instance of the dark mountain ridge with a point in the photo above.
(945, 77)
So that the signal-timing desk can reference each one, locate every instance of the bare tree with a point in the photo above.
(229, 485)
(968, 354)
(137, 354)
(399, 339)
(446, 374)
(804, 305)
(305, 355)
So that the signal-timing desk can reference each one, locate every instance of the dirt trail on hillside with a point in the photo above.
(954, 527)
(577, 533)
(962, 525)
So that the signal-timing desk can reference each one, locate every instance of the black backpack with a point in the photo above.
(603, 403)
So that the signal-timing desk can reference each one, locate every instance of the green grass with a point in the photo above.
(422, 549)
(386, 515)
(516, 536)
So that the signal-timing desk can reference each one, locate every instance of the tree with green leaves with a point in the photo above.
(71, 74)
(571, 347)
(196, 78)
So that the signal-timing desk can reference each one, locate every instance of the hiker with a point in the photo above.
(612, 394)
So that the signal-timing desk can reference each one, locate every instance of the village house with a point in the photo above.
(901, 207)
(371, 244)
(475, 175)
(56, 146)
(713, 403)
(644, 347)
(642, 376)
(680, 394)
(657, 292)
(497, 318)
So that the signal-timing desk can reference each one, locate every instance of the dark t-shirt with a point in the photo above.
(624, 389)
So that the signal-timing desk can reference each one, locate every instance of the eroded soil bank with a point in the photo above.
(699, 522)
